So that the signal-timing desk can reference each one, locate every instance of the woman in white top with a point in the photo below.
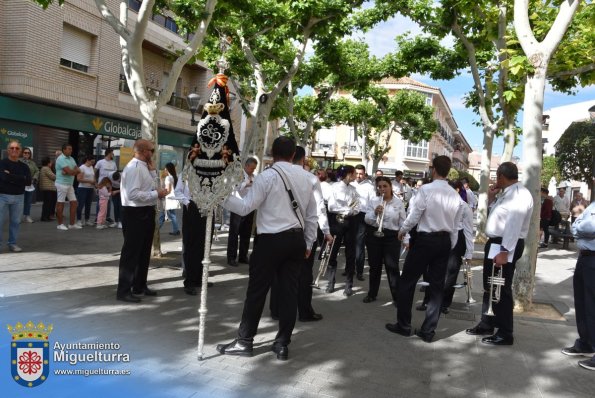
(343, 204)
(381, 240)
(85, 192)
(171, 204)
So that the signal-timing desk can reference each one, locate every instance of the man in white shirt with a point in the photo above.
(105, 168)
(437, 213)
(286, 230)
(507, 227)
(139, 197)
(397, 186)
(365, 191)
(241, 227)
(562, 203)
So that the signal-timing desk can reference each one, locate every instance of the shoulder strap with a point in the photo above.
(294, 204)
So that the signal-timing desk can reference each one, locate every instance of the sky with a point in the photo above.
(381, 41)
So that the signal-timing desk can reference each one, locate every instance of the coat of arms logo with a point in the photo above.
(30, 353)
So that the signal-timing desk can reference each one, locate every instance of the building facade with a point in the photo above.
(339, 144)
(61, 81)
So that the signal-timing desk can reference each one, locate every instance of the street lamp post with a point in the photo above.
(193, 100)
(325, 164)
(344, 149)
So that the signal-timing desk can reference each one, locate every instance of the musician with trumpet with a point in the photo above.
(343, 205)
(384, 217)
(507, 227)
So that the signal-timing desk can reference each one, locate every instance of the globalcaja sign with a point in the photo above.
(116, 128)
(20, 132)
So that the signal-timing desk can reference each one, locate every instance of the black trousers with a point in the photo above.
(48, 209)
(545, 226)
(360, 242)
(194, 228)
(279, 255)
(452, 271)
(344, 233)
(584, 302)
(384, 250)
(430, 253)
(502, 318)
(239, 227)
(138, 226)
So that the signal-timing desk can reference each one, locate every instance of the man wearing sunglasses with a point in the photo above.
(139, 194)
(14, 177)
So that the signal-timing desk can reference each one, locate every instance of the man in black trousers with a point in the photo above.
(139, 197)
(241, 226)
(437, 211)
(286, 228)
(507, 227)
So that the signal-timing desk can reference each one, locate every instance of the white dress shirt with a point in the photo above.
(394, 213)
(245, 185)
(326, 190)
(366, 191)
(137, 188)
(466, 225)
(269, 196)
(343, 200)
(320, 206)
(510, 215)
(182, 192)
(436, 208)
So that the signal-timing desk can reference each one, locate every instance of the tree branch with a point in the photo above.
(111, 19)
(574, 72)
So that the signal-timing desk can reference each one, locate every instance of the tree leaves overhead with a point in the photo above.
(575, 151)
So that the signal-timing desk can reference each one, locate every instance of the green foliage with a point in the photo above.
(453, 174)
(549, 169)
(575, 152)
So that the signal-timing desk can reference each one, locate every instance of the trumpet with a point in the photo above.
(379, 220)
(341, 217)
(496, 282)
(324, 259)
(468, 275)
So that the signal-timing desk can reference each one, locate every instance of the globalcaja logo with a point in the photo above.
(30, 353)
(97, 123)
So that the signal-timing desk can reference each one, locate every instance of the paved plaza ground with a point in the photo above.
(68, 279)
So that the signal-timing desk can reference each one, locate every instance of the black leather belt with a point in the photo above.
(587, 253)
(438, 233)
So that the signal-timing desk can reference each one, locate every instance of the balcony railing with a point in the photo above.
(175, 100)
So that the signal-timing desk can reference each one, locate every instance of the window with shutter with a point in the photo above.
(76, 48)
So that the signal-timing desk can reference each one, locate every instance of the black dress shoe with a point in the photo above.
(344, 273)
(235, 348)
(396, 328)
(496, 339)
(348, 292)
(427, 337)
(312, 318)
(232, 263)
(444, 310)
(421, 307)
(281, 350)
(360, 277)
(479, 331)
(129, 298)
(369, 299)
(330, 288)
(145, 292)
(175, 233)
(191, 291)
(244, 260)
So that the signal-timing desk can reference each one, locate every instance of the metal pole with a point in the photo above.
(206, 262)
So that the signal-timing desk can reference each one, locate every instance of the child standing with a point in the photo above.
(104, 189)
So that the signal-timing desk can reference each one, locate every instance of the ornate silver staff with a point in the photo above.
(213, 173)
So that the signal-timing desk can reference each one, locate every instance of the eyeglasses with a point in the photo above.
(14, 148)
(26, 153)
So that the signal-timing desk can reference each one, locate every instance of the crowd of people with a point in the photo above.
(295, 211)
